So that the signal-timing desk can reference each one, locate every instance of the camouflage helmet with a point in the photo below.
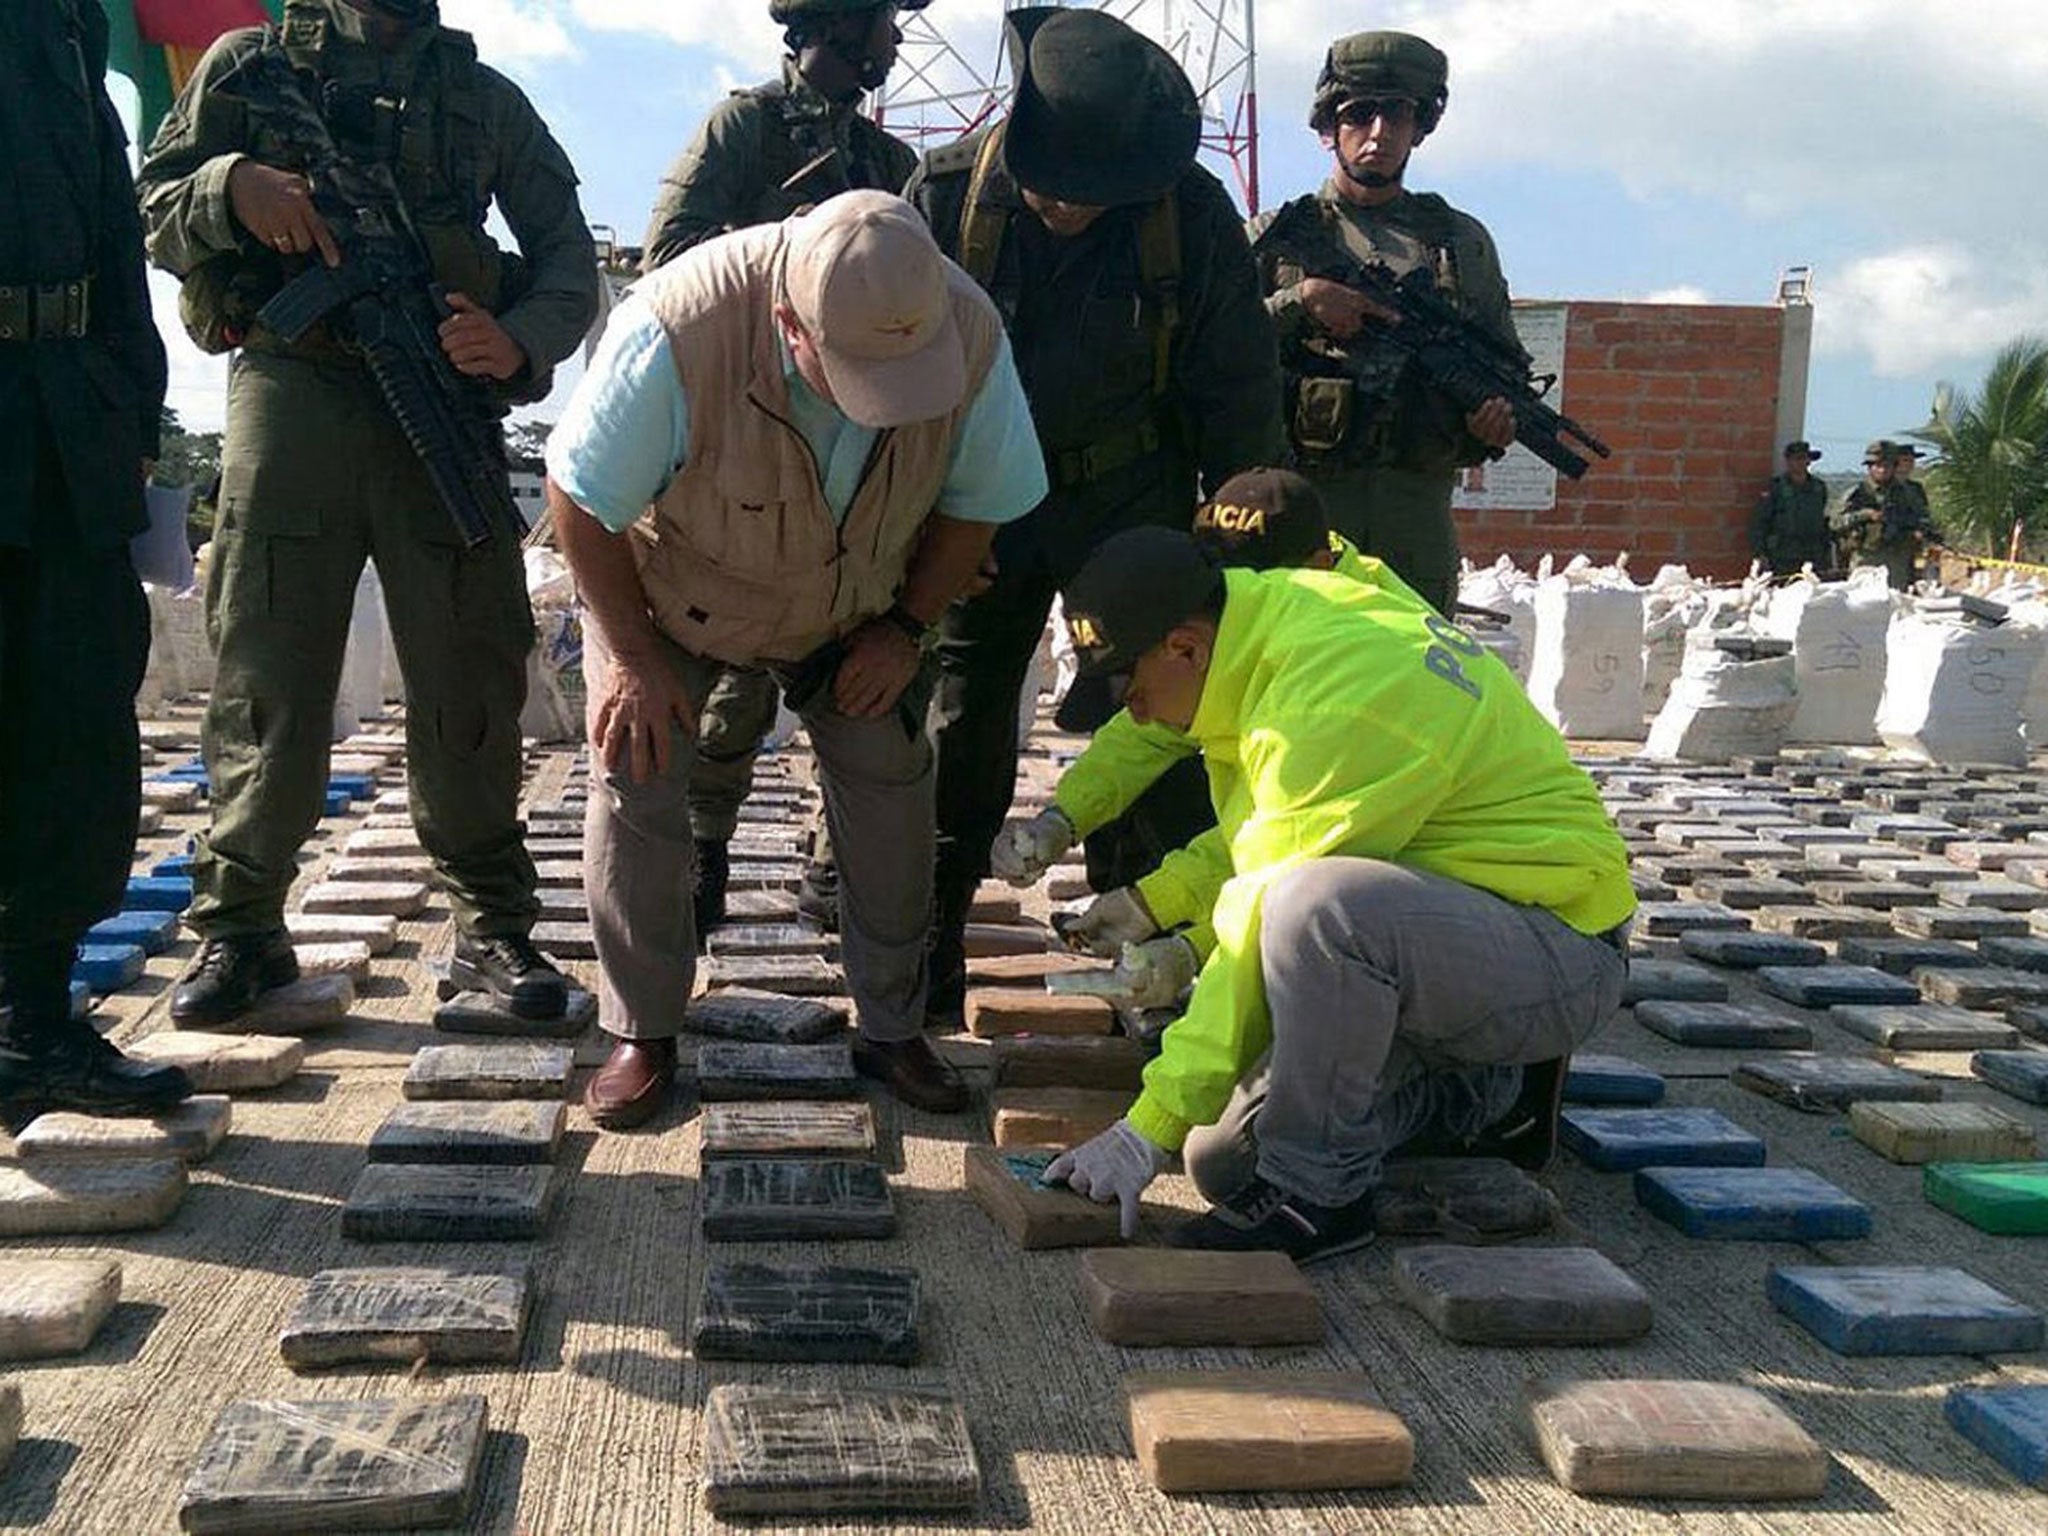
(785, 12)
(1382, 64)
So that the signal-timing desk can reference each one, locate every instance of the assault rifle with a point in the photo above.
(384, 299)
(1461, 358)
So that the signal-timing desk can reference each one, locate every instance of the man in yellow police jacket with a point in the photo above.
(1261, 520)
(1424, 893)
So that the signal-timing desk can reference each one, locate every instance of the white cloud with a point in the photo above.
(739, 30)
(1917, 308)
(512, 32)
(1909, 137)
(1684, 293)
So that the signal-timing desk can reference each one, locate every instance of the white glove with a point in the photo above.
(1152, 975)
(1115, 1166)
(1026, 849)
(1110, 922)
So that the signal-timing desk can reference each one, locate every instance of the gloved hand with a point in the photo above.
(1026, 849)
(1110, 922)
(1115, 1166)
(1151, 975)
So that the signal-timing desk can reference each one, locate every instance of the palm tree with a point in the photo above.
(1990, 487)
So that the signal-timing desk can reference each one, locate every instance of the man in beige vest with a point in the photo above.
(792, 447)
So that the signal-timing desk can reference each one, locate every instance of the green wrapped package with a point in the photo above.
(2010, 1199)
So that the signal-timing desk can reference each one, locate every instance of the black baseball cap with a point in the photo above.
(1132, 592)
(1803, 448)
(1263, 520)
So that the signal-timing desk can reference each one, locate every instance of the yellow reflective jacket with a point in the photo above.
(1124, 759)
(1339, 721)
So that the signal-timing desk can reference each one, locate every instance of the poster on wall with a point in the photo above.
(1518, 481)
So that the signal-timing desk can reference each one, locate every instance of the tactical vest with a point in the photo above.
(798, 136)
(992, 197)
(437, 144)
(1348, 408)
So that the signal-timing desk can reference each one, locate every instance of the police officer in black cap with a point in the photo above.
(81, 397)
(1135, 313)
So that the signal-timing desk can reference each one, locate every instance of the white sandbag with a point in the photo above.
(1722, 707)
(2028, 608)
(162, 552)
(554, 672)
(1954, 688)
(1586, 672)
(1503, 588)
(1673, 603)
(1837, 630)
(360, 695)
(180, 660)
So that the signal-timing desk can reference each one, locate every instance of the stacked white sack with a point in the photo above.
(1503, 588)
(1723, 707)
(554, 672)
(1586, 673)
(1837, 630)
(361, 691)
(1954, 688)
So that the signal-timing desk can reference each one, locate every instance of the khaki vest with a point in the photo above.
(739, 555)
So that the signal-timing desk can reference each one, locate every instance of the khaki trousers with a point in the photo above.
(639, 857)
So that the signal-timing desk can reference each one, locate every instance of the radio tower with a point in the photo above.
(950, 78)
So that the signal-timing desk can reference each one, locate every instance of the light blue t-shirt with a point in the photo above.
(626, 432)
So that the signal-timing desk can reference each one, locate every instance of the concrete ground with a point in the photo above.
(598, 1428)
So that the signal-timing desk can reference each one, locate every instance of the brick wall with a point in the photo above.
(1687, 397)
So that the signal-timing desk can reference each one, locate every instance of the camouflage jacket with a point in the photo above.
(1397, 418)
(761, 155)
(464, 136)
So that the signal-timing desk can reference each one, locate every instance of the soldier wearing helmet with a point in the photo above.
(1382, 445)
(764, 153)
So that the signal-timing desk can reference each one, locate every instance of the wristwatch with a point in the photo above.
(921, 634)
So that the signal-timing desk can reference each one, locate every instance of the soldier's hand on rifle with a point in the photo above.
(1492, 422)
(639, 699)
(476, 344)
(277, 208)
(880, 662)
(1339, 310)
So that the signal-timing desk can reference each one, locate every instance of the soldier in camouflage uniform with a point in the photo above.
(81, 402)
(1789, 528)
(1884, 522)
(1121, 270)
(316, 474)
(1381, 444)
(763, 154)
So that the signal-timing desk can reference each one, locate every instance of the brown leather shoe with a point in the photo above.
(632, 1084)
(912, 1070)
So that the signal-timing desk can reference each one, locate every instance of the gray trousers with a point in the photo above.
(1399, 1000)
(639, 854)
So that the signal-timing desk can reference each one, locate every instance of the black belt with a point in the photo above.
(45, 311)
(1071, 467)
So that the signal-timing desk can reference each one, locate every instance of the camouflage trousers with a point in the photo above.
(1403, 516)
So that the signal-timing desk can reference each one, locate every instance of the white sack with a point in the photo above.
(1586, 671)
(1954, 689)
(1837, 630)
(1721, 707)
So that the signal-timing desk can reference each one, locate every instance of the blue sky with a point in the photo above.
(1681, 149)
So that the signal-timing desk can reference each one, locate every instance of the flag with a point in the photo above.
(158, 43)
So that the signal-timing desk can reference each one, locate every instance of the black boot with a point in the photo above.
(511, 969)
(707, 900)
(71, 1067)
(229, 974)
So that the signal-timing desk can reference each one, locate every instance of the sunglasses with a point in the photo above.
(1395, 111)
